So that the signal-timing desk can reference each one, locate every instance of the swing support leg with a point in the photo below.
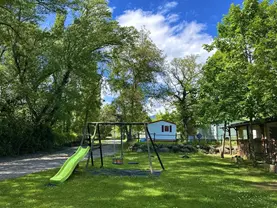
(148, 148)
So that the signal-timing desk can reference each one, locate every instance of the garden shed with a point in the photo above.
(162, 130)
(264, 137)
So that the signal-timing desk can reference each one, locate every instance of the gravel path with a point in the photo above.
(22, 165)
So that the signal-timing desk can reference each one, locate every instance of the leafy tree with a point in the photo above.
(181, 79)
(220, 93)
(243, 41)
(134, 71)
(50, 79)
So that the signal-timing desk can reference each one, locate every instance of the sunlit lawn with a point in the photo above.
(200, 181)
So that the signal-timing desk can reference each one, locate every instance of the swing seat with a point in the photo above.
(117, 161)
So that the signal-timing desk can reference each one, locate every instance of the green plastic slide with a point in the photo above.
(69, 165)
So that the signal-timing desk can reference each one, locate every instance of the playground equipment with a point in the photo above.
(71, 163)
(118, 160)
(69, 166)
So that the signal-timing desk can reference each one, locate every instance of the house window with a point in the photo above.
(166, 128)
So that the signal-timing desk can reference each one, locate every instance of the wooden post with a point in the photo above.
(266, 140)
(237, 135)
(230, 141)
(223, 143)
(247, 130)
(263, 139)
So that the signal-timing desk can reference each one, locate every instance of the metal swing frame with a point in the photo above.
(97, 133)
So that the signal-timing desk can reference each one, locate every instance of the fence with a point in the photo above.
(159, 137)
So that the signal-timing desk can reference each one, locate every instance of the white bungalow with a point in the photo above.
(162, 130)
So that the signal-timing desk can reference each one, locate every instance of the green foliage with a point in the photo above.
(18, 137)
(181, 79)
(134, 72)
(50, 79)
(240, 78)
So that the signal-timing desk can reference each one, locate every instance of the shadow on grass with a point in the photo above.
(200, 181)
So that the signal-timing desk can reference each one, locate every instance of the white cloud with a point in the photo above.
(175, 38)
(167, 7)
(171, 18)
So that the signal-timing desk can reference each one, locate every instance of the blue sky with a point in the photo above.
(208, 12)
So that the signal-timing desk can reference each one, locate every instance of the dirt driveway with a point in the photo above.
(19, 166)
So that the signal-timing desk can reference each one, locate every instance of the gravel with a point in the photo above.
(14, 167)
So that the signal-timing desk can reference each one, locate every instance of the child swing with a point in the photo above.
(118, 160)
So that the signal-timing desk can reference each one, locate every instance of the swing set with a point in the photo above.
(96, 136)
(72, 162)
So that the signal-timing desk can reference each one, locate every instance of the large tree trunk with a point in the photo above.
(128, 132)
(185, 124)
(223, 143)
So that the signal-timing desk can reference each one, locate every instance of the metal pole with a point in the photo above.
(100, 145)
(121, 140)
(147, 130)
(91, 148)
(148, 148)
(114, 140)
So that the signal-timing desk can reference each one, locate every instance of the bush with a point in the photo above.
(64, 139)
(19, 136)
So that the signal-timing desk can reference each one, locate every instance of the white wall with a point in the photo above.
(157, 129)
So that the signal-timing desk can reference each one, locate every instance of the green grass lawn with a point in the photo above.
(200, 181)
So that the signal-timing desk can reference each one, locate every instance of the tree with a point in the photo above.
(51, 78)
(181, 79)
(243, 41)
(134, 71)
(220, 93)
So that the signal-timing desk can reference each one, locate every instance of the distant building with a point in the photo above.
(162, 130)
(214, 132)
(264, 138)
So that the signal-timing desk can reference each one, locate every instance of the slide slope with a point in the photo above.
(69, 165)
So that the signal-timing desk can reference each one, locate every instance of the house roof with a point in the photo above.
(255, 122)
(161, 120)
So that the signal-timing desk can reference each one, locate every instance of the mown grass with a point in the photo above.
(200, 181)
